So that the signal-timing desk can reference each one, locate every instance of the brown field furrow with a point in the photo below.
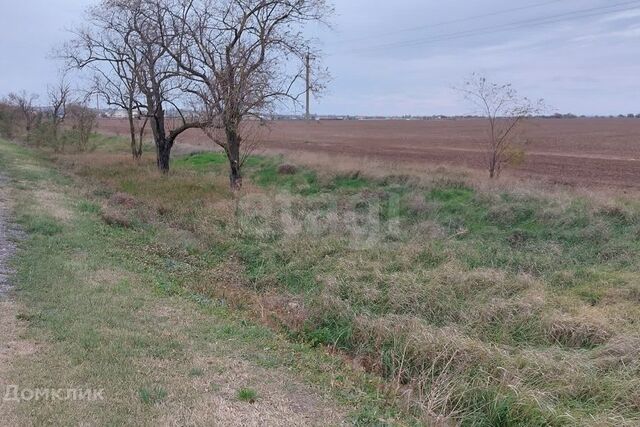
(585, 152)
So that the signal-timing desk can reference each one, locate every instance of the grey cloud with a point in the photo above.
(587, 65)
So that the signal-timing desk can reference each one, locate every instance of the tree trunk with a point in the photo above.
(235, 177)
(164, 156)
(233, 154)
(162, 142)
(493, 162)
(136, 149)
(54, 137)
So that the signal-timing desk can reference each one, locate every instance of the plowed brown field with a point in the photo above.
(584, 152)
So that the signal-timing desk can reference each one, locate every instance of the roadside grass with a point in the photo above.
(479, 305)
(115, 308)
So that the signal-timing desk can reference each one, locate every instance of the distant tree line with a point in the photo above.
(65, 122)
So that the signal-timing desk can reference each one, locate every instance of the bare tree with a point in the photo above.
(59, 97)
(8, 118)
(115, 64)
(119, 88)
(122, 46)
(505, 112)
(83, 122)
(245, 58)
(24, 103)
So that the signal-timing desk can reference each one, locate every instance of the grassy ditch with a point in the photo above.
(483, 305)
(108, 300)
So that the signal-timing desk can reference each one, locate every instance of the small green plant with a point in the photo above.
(152, 396)
(168, 287)
(88, 207)
(247, 395)
(196, 372)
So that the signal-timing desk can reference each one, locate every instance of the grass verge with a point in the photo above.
(104, 310)
(479, 305)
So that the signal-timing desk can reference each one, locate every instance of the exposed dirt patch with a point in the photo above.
(7, 238)
(11, 346)
(53, 203)
(280, 400)
(108, 277)
(8, 351)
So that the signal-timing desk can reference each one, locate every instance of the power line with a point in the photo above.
(585, 13)
(455, 21)
(308, 88)
(568, 16)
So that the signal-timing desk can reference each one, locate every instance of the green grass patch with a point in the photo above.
(201, 162)
(248, 395)
(153, 395)
(38, 224)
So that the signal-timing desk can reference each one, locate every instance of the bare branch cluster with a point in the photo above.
(237, 55)
(505, 111)
(211, 63)
(24, 105)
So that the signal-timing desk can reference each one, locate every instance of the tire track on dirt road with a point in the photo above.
(7, 236)
(10, 343)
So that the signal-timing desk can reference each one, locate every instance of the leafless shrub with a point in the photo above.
(8, 119)
(114, 218)
(83, 121)
(505, 112)
(24, 105)
(287, 169)
(59, 98)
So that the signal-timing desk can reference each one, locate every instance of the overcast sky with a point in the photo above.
(404, 56)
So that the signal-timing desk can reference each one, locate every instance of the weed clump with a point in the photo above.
(115, 218)
(248, 395)
(287, 169)
(153, 395)
(123, 199)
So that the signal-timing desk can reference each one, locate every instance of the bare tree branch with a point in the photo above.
(243, 57)
(505, 111)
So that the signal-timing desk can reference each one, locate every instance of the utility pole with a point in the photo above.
(308, 64)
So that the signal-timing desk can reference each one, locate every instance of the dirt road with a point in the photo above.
(9, 341)
(7, 247)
